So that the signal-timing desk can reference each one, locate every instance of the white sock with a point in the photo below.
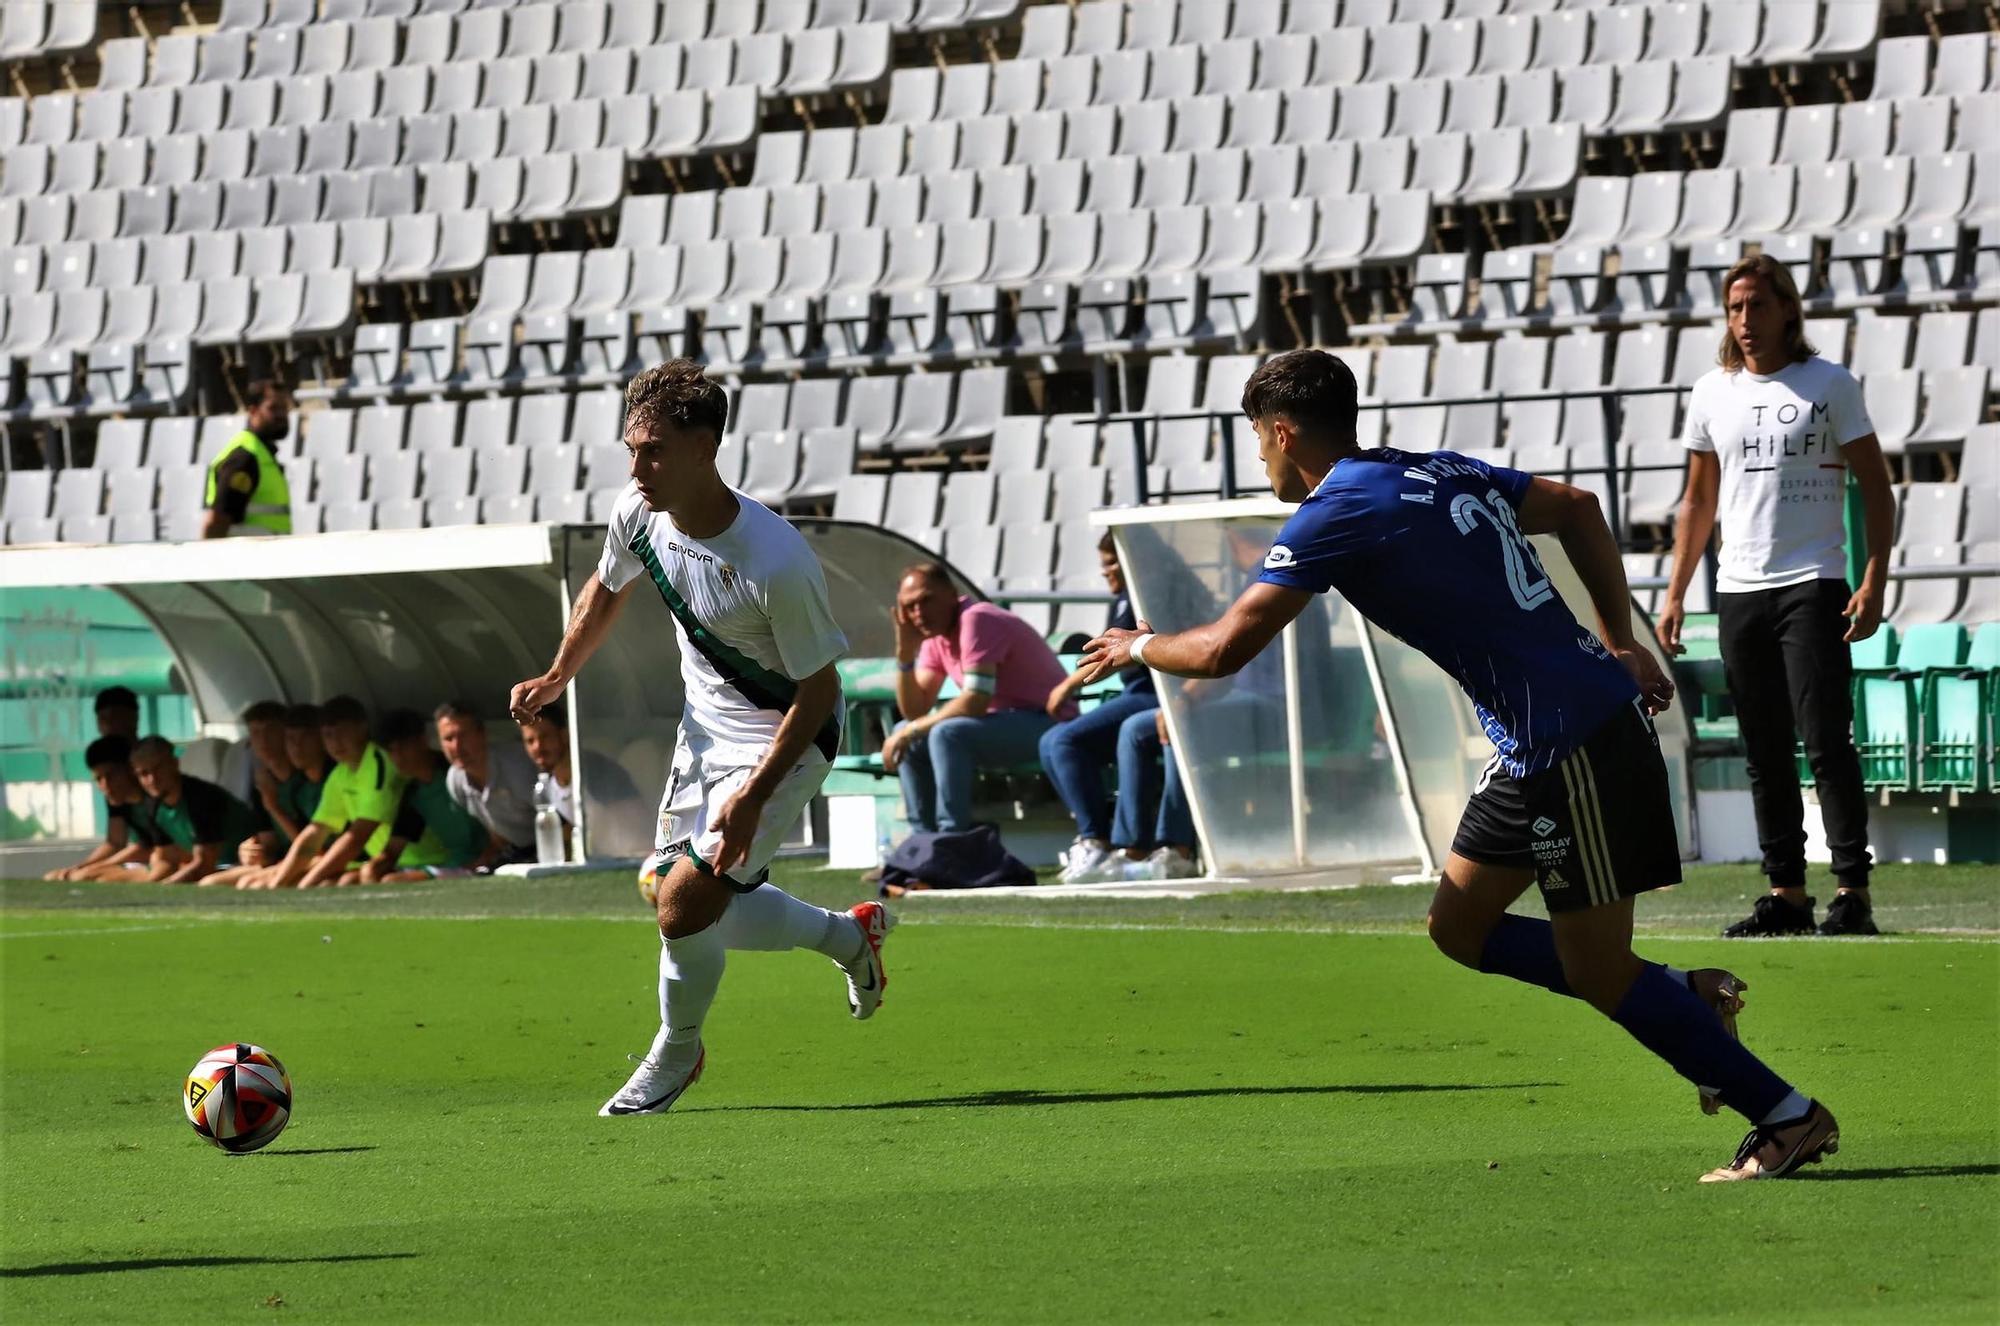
(771, 920)
(690, 974)
(1791, 1107)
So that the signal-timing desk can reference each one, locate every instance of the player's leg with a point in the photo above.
(690, 900)
(1754, 664)
(914, 775)
(1820, 674)
(1470, 924)
(761, 916)
(1671, 1020)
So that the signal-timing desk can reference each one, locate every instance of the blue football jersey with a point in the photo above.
(1427, 547)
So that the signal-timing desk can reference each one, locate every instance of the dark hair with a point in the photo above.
(265, 711)
(342, 709)
(117, 697)
(153, 745)
(933, 572)
(675, 395)
(1312, 388)
(1108, 544)
(107, 750)
(556, 711)
(401, 725)
(259, 391)
(301, 716)
(464, 710)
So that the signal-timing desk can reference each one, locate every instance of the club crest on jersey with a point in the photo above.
(728, 574)
(1279, 557)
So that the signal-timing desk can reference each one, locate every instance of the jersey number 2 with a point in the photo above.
(1525, 577)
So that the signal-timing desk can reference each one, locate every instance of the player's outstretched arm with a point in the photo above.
(1219, 649)
(589, 621)
(1573, 516)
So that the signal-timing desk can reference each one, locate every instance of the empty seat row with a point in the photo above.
(1400, 35)
(500, 45)
(546, 187)
(576, 129)
(58, 118)
(1639, 98)
(218, 312)
(404, 248)
(32, 29)
(1862, 130)
(1595, 284)
(1882, 192)
(1942, 66)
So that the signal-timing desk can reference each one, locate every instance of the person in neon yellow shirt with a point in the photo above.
(357, 804)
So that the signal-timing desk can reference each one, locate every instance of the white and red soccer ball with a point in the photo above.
(238, 1097)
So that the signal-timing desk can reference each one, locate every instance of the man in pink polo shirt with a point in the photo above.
(1004, 672)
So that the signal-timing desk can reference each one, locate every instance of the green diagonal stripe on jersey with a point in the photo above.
(759, 685)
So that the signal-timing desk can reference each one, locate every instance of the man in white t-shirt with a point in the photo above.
(1772, 436)
(759, 728)
(495, 785)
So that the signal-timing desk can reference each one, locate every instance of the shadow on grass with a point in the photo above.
(1986, 1170)
(183, 1263)
(979, 1100)
(321, 1151)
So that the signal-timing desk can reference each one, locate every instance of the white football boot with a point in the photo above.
(653, 1089)
(867, 979)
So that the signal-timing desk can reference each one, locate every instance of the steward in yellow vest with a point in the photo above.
(247, 492)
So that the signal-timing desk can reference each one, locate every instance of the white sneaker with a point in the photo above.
(652, 1089)
(1090, 862)
(867, 979)
(1166, 863)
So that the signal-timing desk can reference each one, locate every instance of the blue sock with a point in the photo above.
(1667, 1018)
(1525, 948)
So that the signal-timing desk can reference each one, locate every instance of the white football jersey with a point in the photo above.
(751, 612)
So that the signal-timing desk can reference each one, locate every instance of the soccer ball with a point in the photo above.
(650, 875)
(238, 1097)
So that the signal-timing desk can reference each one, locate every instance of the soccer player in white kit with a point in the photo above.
(759, 728)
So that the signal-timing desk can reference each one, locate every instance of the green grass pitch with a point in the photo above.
(1253, 1108)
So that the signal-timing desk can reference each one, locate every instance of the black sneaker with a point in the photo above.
(1772, 915)
(1849, 914)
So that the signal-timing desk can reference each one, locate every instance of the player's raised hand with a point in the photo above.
(525, 702)
(1656, 688)
(737, 825)
(1109, 652)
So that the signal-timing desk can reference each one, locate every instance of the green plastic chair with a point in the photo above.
(1932, 660)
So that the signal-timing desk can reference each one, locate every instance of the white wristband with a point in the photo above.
(1139, 648)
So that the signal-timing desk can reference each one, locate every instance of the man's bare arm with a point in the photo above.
(1219, 649)
(1573, 516)
(333, 862)
(1692, 528)
(597, 607)
(201, 862)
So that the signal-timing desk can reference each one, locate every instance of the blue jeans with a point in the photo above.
(1076, 754)
(1146, 769)
(937, 772)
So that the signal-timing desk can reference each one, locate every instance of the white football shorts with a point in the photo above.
(695, 796)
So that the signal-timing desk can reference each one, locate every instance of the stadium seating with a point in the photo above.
(915, 232)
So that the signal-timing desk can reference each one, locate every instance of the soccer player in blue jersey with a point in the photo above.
(1434, 549)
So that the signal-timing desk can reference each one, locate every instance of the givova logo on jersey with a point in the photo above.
(1548, 850)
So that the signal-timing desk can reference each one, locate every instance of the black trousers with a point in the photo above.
(1789, 674)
